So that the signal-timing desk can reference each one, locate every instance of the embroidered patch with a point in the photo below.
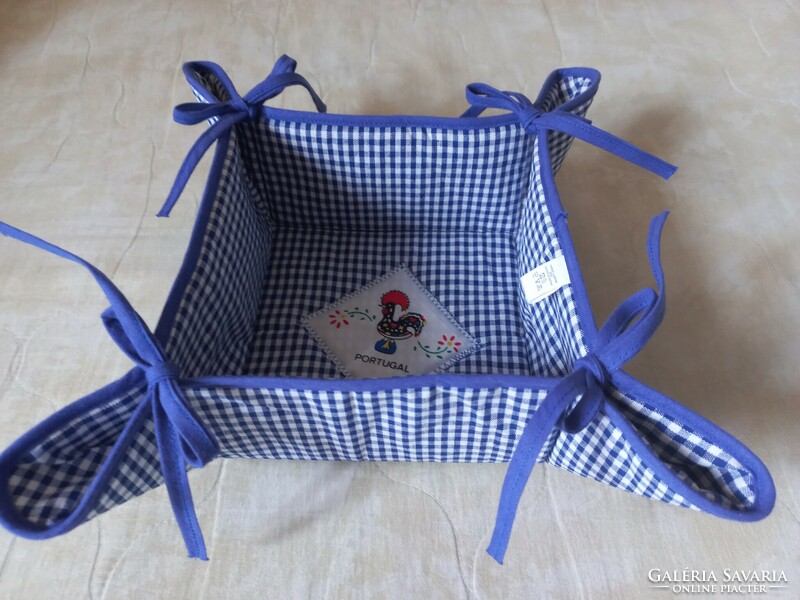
(392, 326)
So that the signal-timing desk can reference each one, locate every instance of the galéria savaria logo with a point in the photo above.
(725, 581)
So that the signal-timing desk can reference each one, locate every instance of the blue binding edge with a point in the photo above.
(454, 380)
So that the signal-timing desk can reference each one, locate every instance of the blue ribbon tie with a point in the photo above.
(482, 96)
(227, 114)
(181, 437)
(577, 399)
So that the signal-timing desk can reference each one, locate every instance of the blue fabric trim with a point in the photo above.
(460, 123)
(370, 385)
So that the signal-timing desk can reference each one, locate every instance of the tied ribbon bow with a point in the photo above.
(577, 399)
(482, 96)
(180, 436)
(227, 114)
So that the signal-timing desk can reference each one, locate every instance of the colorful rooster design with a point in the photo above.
(398, 327)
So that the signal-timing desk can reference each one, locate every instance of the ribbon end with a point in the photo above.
(192, 536)
(657, 225)
(499, 542)
(166, 209)
(668, 171)
(196, 545)
(497, 552)
(284, 64)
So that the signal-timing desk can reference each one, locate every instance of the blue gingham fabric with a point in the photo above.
(213, 324)
(554, 336)
(714, 472)
(429, 423)
(302, 211)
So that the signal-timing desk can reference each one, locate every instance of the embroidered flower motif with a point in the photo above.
(446, 345)
(338, 318)
(450, 344)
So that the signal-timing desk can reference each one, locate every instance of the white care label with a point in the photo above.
(392, 326)
(545, 280)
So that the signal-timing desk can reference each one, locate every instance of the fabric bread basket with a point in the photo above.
(378, 288)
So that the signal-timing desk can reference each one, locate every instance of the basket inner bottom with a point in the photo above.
(472, 274)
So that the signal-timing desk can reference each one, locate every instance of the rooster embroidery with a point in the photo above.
(394, 327)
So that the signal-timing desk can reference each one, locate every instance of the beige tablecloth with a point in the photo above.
(88, 152)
